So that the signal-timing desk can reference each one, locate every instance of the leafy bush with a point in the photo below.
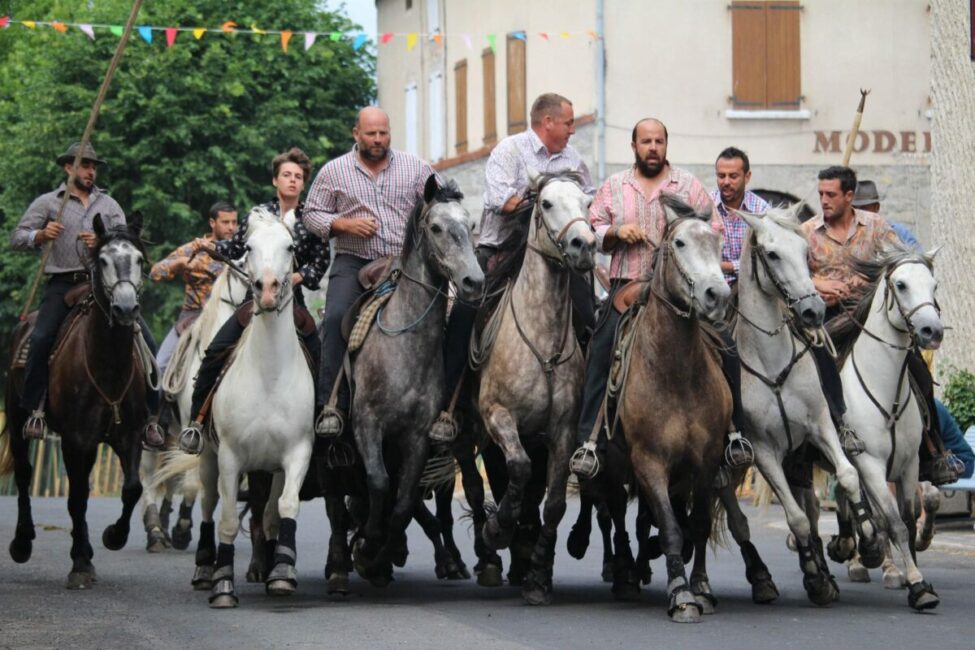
(959, 397)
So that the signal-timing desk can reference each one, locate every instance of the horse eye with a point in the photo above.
(435, 229)
(679, 243)
(546, 204)
(900, 285)
(291, 248)
(772, 255)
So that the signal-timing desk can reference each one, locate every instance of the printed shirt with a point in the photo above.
(735, 228)
(506, 175)
(68, 253)
(829, 258)
(199, 274)
(621, 200)
(346, 188)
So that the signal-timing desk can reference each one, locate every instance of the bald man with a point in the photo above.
(362, 201)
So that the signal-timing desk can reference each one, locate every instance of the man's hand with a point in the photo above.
(832, 291)
(511, 204)
(296, 279)
(50, 232)
(728, 267)
(364, 227)
(89, 237)
(630, 233)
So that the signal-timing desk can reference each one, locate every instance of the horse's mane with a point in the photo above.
(845, 329)
(445, 193)
(260, 217)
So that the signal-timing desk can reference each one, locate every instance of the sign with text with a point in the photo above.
(876, 141)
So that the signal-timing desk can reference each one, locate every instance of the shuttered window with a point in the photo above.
(490, 102)
(765, 55)
(460, 105)
(517, 85)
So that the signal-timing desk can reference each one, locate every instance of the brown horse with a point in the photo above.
(96, 393)
(675, 403)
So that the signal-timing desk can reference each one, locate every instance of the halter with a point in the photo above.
(667, 251)
(109, 291)
(557, 239)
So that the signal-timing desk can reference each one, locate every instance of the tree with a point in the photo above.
(181, 127)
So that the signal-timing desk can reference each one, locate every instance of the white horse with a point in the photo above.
(262, 414)
(228, 292)
(897, 314)
(781, 391)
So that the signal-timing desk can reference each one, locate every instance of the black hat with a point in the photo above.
(866, 194)
(88, 154)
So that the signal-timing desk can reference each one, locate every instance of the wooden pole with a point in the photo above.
(848, 152)
(85, 137)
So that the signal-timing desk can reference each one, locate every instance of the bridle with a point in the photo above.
(759, 256)
(556, 240)
(667, 251)
(108, 291)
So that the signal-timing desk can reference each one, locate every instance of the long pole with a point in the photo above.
(848, 152)
(85, 138)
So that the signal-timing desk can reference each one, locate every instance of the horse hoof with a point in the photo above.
(114, 538)
(279, 588)
(790, 543)
(456, 572)
(922, 596)
(80, 580)
(182, 537)
(203, 578)
(490, 576)
(821, 589)
(857, 572)
(578, 542)
(21, 549)
(703, 596)
(337, 583)
(537, 595)
(256, 573)
(764, 592)
(894, 579)
(923, 542)
(495, 536)
(840, 549)
(872, 555)
(155, 541)
(224, 601)
(707, 607)
(607, 572)
(686, 614)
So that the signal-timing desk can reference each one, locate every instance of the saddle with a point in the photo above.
(76, 293)
(631, 292)
(375, 272)
(378, 278)
(75, 298)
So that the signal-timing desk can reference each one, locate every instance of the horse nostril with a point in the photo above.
(576, 243)
(808, 316)
(927, 332)
(710, 296)
(471, 284)
(259, 285)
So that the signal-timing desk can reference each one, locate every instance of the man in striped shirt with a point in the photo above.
(733, 172)
(362, 201)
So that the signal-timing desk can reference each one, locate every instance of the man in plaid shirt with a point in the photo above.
(733, 173)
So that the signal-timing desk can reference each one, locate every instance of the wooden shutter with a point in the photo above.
(460, 105)
(748, 55)
(517, 85)
(782, 89)
(490, 103)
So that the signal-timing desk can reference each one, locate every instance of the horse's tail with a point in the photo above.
(440, 470)
(174, 464)
(719, 525)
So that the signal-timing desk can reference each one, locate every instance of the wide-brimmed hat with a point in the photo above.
(866, 194)
(88, 154)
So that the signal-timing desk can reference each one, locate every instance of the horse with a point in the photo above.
(96, 393)
(261, 418)
(897, 314)
(398, 373)
(228, 293)
(530, 379)
(778, 305)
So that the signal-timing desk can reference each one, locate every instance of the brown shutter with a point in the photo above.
(460, 105)
(782, 64)
(748, 45)
(490, 103)
(517, 86)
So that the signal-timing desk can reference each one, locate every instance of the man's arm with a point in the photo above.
(31, 231)
(173, 264)
(319, 214)
(503, 180)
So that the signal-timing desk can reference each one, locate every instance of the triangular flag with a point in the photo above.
(410, 41)
(29, 24)
(257, 30)
(521, 36)
(467, 41)
(310, 39)
(4, 22)
(146, 33)
(438, 38)
(59, 27)
(170, 36)
(492, 42)
(335, 36)
(360, 40)
(198, 32)
(564, 34)
(116, 29)
(87, 29)
(543, 35)
(386, 37)
(285, 37)
(228, 26)
(593, 36)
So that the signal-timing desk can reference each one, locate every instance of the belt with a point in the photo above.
(75, 277)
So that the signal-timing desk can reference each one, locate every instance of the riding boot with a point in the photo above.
(738, 450)
(829, 377)
(937, 464)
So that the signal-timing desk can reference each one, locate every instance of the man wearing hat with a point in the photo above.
(66, 266)
(866, 198)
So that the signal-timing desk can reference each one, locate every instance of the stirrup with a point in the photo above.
(152, 433)
(738, 452)
(585, 462)
(444, 428)
(852, 445)
(330, 422)
(35, 428)
(191, 439)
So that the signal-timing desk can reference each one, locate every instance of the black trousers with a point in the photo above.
(343, 290)
(50, 316)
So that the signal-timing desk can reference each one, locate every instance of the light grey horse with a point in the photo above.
(781, 391)
(531, 379)
(398, 374)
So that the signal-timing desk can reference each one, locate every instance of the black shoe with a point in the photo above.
(738, 452)
(153, 436)
(586, 461)
(852, 445)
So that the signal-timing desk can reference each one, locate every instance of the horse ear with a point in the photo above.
(135, 222)
(934, 252)
(755, 221)
(430, 188)
(99, 226)
(533, 177)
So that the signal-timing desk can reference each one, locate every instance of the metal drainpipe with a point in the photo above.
(600, 93)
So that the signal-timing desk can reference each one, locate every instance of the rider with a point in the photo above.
(363, 200)
(733, 172)
(840, 234)
(193, 263)
(630, 221)
(288, 173)
(67, 265)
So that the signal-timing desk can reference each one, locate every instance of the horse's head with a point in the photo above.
(779, 258)
(910, 297)
(561, 222)
(693, 275)
(443, 229)
(270, 259)
(117, 274)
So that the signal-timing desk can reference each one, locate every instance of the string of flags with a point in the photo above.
(358, 39)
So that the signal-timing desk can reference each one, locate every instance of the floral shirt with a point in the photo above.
(199, 274)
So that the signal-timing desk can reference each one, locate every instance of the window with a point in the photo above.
(490, 121)
(460, 105)
(517, 91)
(765, 55)
(435, 113)
(411, 143)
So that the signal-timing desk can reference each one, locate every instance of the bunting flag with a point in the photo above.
(521, 36)
(117, 30)
(198, 32)
(438, 38)
(411, 41)
(170, 36)
(228, 27)
(386, 37)
(310, 40)
(359, 41)
(88, 30)
(29, 24)
(285, 37)
(4, 22)
(543, 35)
(335, 36)
(59, 27)
(146, 33)
(256, 30)
(492, 42)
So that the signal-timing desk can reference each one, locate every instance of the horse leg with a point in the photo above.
(699, 525)
(489, 567)
(817, 581)
(444, 497)
(258, 491)
(155, 538)
(920, 594)
(646, 550)
(931, 501)
(369, 439)
(756, 572)
(166, 509)
(578, 540)
(78, 463)
(605, 521)
(414, 450)
(431, 528)
(338, 561)
(500, 526)
(623, 573)
(538, 583)
(206, 548)
(182, 533)
(842, 547)
(893, 578)
(283, 577)
(22, 545)
(129, 452)
(223, 595)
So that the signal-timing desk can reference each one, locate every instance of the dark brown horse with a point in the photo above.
(96, 393)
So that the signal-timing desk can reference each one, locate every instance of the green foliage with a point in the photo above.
(181, 127)
(959, 397)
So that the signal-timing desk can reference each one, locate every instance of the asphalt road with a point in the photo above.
(145, 601)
